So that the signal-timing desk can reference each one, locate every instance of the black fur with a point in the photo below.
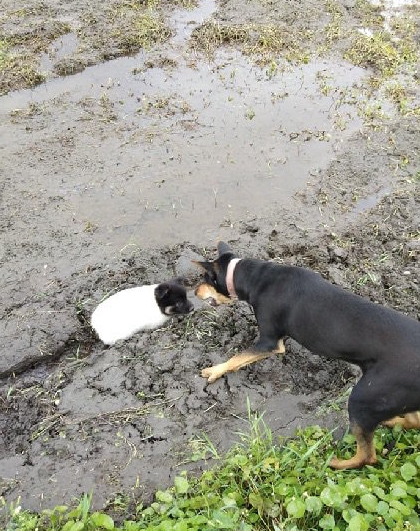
(332, 322)
(171, 298)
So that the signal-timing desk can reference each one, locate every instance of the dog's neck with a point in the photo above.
(230, 285)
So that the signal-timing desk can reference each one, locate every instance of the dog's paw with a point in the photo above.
(354, 462)
(281, 349)
(335, 462)
(211, 373)
(341, 464)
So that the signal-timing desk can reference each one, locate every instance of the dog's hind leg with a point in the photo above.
(366, 411)
(365, 454)
(409, 421)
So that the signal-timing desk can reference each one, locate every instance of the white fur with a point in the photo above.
(127, 312)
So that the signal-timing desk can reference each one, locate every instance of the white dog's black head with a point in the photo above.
(171, 298)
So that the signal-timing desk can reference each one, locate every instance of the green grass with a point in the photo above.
(381, 52)
(19, 57)
(137, 25)
(17, 70)
(268, 484)
(263, 41)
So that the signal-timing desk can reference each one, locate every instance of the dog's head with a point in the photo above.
(171, 298)
(215, 287)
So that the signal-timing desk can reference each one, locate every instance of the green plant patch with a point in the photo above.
(380, 52)
(264, 41)
(19, 56)
(134, 26)
(17, 70)
(271, 485)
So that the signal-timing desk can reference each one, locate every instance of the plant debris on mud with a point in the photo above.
(108, 172)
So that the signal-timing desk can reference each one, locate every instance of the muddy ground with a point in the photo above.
(289, 131)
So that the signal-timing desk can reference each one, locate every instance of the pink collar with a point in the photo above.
(229, 278)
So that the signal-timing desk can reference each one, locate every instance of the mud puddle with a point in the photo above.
(194, 145)
(369, 202)
(217, 137)
(146, 150)
(105, 173)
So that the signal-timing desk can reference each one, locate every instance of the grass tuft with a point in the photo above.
(380, 52)
(19, 56)
(263, 40)
(211, 35)
(137, 27)
(17, 70)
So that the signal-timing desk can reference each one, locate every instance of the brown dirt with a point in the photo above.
(123, 173)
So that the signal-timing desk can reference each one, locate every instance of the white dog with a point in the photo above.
(135, 309)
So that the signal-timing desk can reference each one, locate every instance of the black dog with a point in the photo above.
(329, 321)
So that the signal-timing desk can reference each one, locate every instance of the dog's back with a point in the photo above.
(333, 322)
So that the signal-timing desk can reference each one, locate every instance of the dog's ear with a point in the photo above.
(207, 266)
(161, 291)
(223, 248)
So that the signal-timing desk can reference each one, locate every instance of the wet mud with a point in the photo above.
(123, 173)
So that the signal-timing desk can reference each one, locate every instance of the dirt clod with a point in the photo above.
(123, 173)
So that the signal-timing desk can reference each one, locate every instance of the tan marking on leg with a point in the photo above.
(409, 421)
(365, 454)
(412, 420)
(390, 423)
(205, 291)
(281, 349)
(233, 364)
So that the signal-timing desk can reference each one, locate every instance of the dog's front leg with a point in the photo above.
(241, 360)
(233, 364)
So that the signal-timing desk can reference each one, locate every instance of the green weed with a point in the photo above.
(380, 52)
(265, 483)
(263, 41)
(137, 27)
(16, 69)
(335, 29)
